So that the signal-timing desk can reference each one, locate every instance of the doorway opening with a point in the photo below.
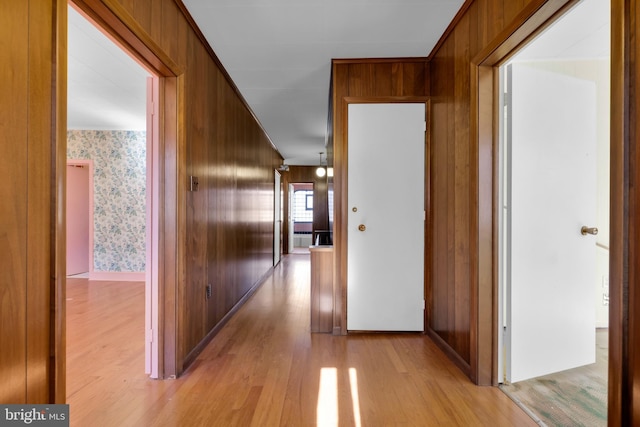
(300, 217)
(554, 219)
(79, 217)
(113, 124)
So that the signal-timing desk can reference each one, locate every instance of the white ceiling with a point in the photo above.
(278, 53)
(106, 88)
(583, 33)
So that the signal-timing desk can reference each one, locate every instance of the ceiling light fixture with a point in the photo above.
(321, 171)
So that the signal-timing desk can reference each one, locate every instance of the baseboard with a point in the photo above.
(449, 352)
(118, 276)
(193, 354)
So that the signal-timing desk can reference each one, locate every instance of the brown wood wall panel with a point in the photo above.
(624, 323)
(229, 245)
(512, 8)
(227, 225)
(462, 178)
(14, 24)
(39, 205)
(388, 80)
(452, 192)
(26, 159)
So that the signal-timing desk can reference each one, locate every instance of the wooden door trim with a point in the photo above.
(58, 285)
(534, 19)
(341, 206)
(124, 31)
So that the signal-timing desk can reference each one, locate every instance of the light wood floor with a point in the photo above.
(265, 369)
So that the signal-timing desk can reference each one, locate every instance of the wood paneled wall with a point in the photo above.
(28, 190)
(454, 173)
(624, 280)
(362, 80)
(229, 220)
(301, 174)
(223, 234)
(485, 32)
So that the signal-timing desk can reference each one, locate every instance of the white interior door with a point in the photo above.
(385, 256)
(551, 173)
(277, 219)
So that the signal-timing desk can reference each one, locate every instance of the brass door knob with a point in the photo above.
(362, 227)
(588, 230)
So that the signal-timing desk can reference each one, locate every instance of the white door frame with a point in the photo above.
(152, 296)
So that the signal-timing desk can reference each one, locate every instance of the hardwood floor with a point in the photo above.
(264, 368)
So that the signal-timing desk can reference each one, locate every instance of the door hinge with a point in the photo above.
(424, 305)
(425, 125)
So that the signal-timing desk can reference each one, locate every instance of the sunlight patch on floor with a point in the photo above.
(327, 411)
(353, 381)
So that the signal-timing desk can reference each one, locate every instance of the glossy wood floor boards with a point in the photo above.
(264, 368)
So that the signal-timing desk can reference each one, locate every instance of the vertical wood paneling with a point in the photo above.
(225, 235)
(29, 360)
(454, 222)
(196, 200)
(128, 5)
(142, 13)
(489, 17)
(511, 8)
(156, 24)
(170, 28)
(624, 338)
(633, 339)
(453, 289)
(382, 79)
(462, 188)
(366, 78)
(57, 280)
(439, 117)
(14, 25)
(618, 389)
(39, 204)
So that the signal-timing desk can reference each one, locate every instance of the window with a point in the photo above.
(303, 206)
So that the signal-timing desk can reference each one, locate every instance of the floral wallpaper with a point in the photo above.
(119, 159)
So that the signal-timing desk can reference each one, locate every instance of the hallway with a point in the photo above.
(264, 368)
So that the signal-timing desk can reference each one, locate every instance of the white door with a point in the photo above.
(551, 194)
(277, 219)
(385, 256)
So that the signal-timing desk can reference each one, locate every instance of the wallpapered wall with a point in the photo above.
(119, 159)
